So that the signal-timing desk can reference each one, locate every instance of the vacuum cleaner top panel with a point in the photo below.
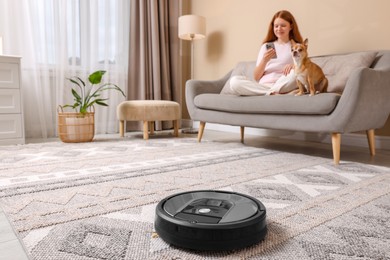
(211, 207)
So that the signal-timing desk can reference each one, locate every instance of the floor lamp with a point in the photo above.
(191, 28)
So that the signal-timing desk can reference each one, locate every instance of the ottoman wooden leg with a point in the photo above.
(151, 127)
(121, 128)
(146, 134)
(176, 128)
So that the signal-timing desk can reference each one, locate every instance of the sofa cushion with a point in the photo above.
(320, 104)
(337, 68)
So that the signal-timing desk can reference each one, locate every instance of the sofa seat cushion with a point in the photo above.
(320, 104)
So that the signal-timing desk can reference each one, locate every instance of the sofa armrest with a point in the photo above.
(197, 87)
(364, 103)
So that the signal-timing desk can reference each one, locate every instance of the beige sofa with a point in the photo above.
(358, 100)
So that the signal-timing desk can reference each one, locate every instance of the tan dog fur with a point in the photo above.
(309, 76)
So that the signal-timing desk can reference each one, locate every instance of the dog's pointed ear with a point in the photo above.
(306, 42)
(292, 42)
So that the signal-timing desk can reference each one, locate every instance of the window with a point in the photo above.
(90, 30)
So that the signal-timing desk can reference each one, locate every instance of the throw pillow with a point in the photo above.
(337, 68)
(244, 68)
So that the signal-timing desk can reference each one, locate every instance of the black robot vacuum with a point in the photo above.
(211, 220)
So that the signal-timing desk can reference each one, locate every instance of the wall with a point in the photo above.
(236, 28)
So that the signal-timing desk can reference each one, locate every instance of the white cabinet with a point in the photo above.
(11, 107)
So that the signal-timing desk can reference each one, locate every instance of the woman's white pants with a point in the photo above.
(243, 86)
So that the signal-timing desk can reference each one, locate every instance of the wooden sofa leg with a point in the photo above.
(242, 130)
(336, 144)
(201, 130)
(371, 140)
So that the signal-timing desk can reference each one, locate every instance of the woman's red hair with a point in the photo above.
(294, 33)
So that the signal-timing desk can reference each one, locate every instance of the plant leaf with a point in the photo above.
(90, 95)
(96, 77)
(101, 103)
(76, 82)
(75, 94)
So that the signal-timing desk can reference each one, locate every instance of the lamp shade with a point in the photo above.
(192, 27)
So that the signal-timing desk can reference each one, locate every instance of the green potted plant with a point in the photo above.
(79, 126)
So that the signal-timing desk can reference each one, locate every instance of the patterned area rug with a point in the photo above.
(97, 200)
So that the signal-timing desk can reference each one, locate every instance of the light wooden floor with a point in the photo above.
(348, 153)
(10, 248)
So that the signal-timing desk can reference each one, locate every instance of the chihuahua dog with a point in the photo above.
(309, 76)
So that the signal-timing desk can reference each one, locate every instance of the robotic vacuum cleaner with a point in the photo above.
(210, 220)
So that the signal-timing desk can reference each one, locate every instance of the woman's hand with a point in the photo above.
(287, 69)
(259, 69)
(269, 54)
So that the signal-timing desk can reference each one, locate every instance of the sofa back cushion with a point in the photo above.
(337, 68)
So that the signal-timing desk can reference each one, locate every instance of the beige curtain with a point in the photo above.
(154, 72)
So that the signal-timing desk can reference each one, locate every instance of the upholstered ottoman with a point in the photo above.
(148, 111)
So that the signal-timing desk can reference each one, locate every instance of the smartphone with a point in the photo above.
(271, 45)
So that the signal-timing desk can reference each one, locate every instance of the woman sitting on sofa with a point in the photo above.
(273, 73)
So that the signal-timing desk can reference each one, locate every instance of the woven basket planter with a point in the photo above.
(75, 127)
